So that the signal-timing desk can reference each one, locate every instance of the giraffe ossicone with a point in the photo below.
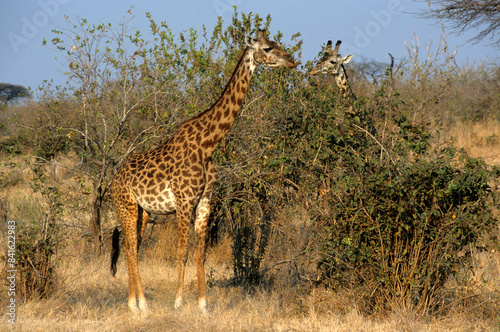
(179, 176)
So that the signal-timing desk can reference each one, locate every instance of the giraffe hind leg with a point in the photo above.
(132, 266)
(132, 243)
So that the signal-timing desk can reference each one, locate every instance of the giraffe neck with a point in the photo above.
(209, 128)
(341, 80)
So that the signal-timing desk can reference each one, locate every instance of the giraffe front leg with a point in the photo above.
(143, 218)
(202, 214)
(201, 225)
(183, 217)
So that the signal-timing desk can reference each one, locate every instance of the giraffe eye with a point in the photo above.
(333, 62)
(267, 49)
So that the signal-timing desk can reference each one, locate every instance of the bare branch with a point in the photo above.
(462, 15)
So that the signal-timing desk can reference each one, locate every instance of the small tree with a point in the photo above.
(103, 75)
(11, 92)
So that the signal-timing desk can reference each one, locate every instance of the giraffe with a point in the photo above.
(179, 177)
(333, 63)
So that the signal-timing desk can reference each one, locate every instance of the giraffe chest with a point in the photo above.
(158, 199)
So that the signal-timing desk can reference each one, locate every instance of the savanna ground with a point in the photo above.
(300, 163)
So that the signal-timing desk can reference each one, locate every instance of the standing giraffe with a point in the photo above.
(180, 176)
(333, 63)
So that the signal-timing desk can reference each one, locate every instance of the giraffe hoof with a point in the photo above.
(135, 309)
(204, 311)
(144, 308)
(203, 306)
(178, 304)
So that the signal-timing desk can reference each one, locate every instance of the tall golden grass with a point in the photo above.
(480, 139)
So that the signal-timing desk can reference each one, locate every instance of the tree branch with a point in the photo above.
(462, 15)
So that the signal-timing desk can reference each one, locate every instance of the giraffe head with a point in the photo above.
(331, 62)
(268, 52)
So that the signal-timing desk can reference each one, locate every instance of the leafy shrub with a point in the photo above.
(38, 237)
(35, 249)
(402, 219)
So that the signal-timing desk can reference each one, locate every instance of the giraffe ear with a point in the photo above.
(347, 58)
(249, 41)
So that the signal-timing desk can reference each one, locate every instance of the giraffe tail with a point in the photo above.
(115, 251)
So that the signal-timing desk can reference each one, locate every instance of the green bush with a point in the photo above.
(402, 218)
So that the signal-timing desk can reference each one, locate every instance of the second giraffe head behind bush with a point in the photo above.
(333, 63)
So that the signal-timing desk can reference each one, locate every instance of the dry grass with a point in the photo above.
(481, 139)
(89, 299)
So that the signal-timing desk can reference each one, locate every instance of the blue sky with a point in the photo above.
(368, 29)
